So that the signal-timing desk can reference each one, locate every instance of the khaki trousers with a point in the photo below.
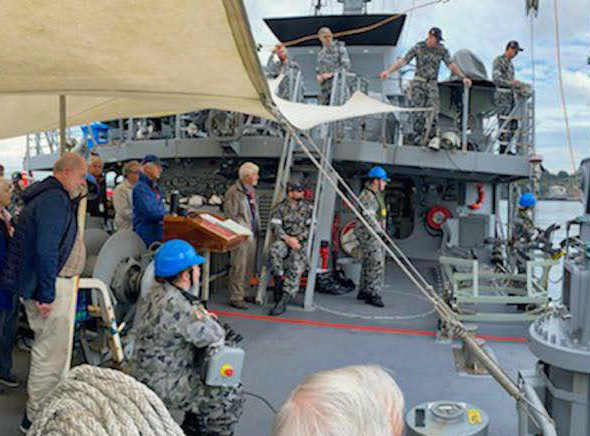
(242, 265)
(51, 354)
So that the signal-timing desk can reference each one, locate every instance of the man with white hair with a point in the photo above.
(241, 205)
(123, 196)
(349, 401)
(45, 254)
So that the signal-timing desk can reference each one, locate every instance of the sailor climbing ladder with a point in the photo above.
(294, 161)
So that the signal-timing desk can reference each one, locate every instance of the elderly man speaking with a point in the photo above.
(241, 206)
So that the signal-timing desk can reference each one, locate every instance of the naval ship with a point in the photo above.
(443, 208)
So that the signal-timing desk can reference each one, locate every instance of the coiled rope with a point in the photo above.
(103, 402)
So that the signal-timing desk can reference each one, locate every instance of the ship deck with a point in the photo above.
(341, 331)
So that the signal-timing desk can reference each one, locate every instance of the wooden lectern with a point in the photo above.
(203, 231)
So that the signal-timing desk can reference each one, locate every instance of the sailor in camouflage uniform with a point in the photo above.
(332, 58)
(170, 331)
(279, 63)
(424, 86)
(373, 267)
(524, 228)
(503, 77)
(290, 221)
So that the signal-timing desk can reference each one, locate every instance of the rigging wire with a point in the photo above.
(364, 29)
(409, 269)
(560, 83)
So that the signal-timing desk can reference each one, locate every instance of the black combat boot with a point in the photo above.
(362, 295)
(281, 305)
(374, 300)
(190, 425)
(278, 289)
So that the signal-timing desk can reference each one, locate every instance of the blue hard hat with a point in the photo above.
(175, 256)
(527, 200)
(377, 173)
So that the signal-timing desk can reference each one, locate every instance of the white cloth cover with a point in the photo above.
(131, 58)
(121, 58)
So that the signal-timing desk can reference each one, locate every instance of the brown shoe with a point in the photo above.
(239, 305)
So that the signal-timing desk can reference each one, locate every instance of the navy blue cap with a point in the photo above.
(515, 45)
(437, 33)
(151, 158)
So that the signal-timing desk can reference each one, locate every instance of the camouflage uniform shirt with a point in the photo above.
(332, 58)
(503, 72)
(274, 68)
(503, 76)
(291, 221)
(428, 60)
(424, 89)
(287, 263)
(167, 333)
(373, 260)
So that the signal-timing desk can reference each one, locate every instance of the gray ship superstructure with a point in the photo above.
(443, 211)
(463, 180)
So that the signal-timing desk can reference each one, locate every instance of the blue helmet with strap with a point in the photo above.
(175, 256)
(527, 200)
(377, 173)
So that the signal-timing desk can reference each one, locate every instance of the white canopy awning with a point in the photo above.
(129, 58)
(121, 58)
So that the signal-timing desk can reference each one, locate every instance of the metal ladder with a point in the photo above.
(293, 160)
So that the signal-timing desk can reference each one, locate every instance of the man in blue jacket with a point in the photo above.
(148, 205)
(44, 255)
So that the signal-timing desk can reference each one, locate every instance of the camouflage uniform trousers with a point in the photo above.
(504, 104)
(424, 94)
(326, 92)
(373, 265)
(218, 408)
(288, 263)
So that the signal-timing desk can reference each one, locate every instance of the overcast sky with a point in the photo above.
(484, 27)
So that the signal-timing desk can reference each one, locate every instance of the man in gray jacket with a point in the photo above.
(241, 205)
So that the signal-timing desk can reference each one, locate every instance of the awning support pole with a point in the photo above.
(62, 124)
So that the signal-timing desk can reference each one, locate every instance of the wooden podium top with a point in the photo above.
(201, 233)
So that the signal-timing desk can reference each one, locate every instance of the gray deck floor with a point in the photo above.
(280, 353)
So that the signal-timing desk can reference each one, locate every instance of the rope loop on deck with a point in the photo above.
(103, 402)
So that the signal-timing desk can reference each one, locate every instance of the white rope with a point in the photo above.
(103, 402)
(374, 317)
(568, 137)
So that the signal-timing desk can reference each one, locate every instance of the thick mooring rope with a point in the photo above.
(103, 402)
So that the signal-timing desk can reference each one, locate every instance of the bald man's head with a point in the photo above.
(70, 170)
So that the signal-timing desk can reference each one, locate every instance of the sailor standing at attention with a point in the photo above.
(424, 86)
(503, 77)
(373, 259)
(332, 58)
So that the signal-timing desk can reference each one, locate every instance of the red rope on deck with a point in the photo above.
(341, 326)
